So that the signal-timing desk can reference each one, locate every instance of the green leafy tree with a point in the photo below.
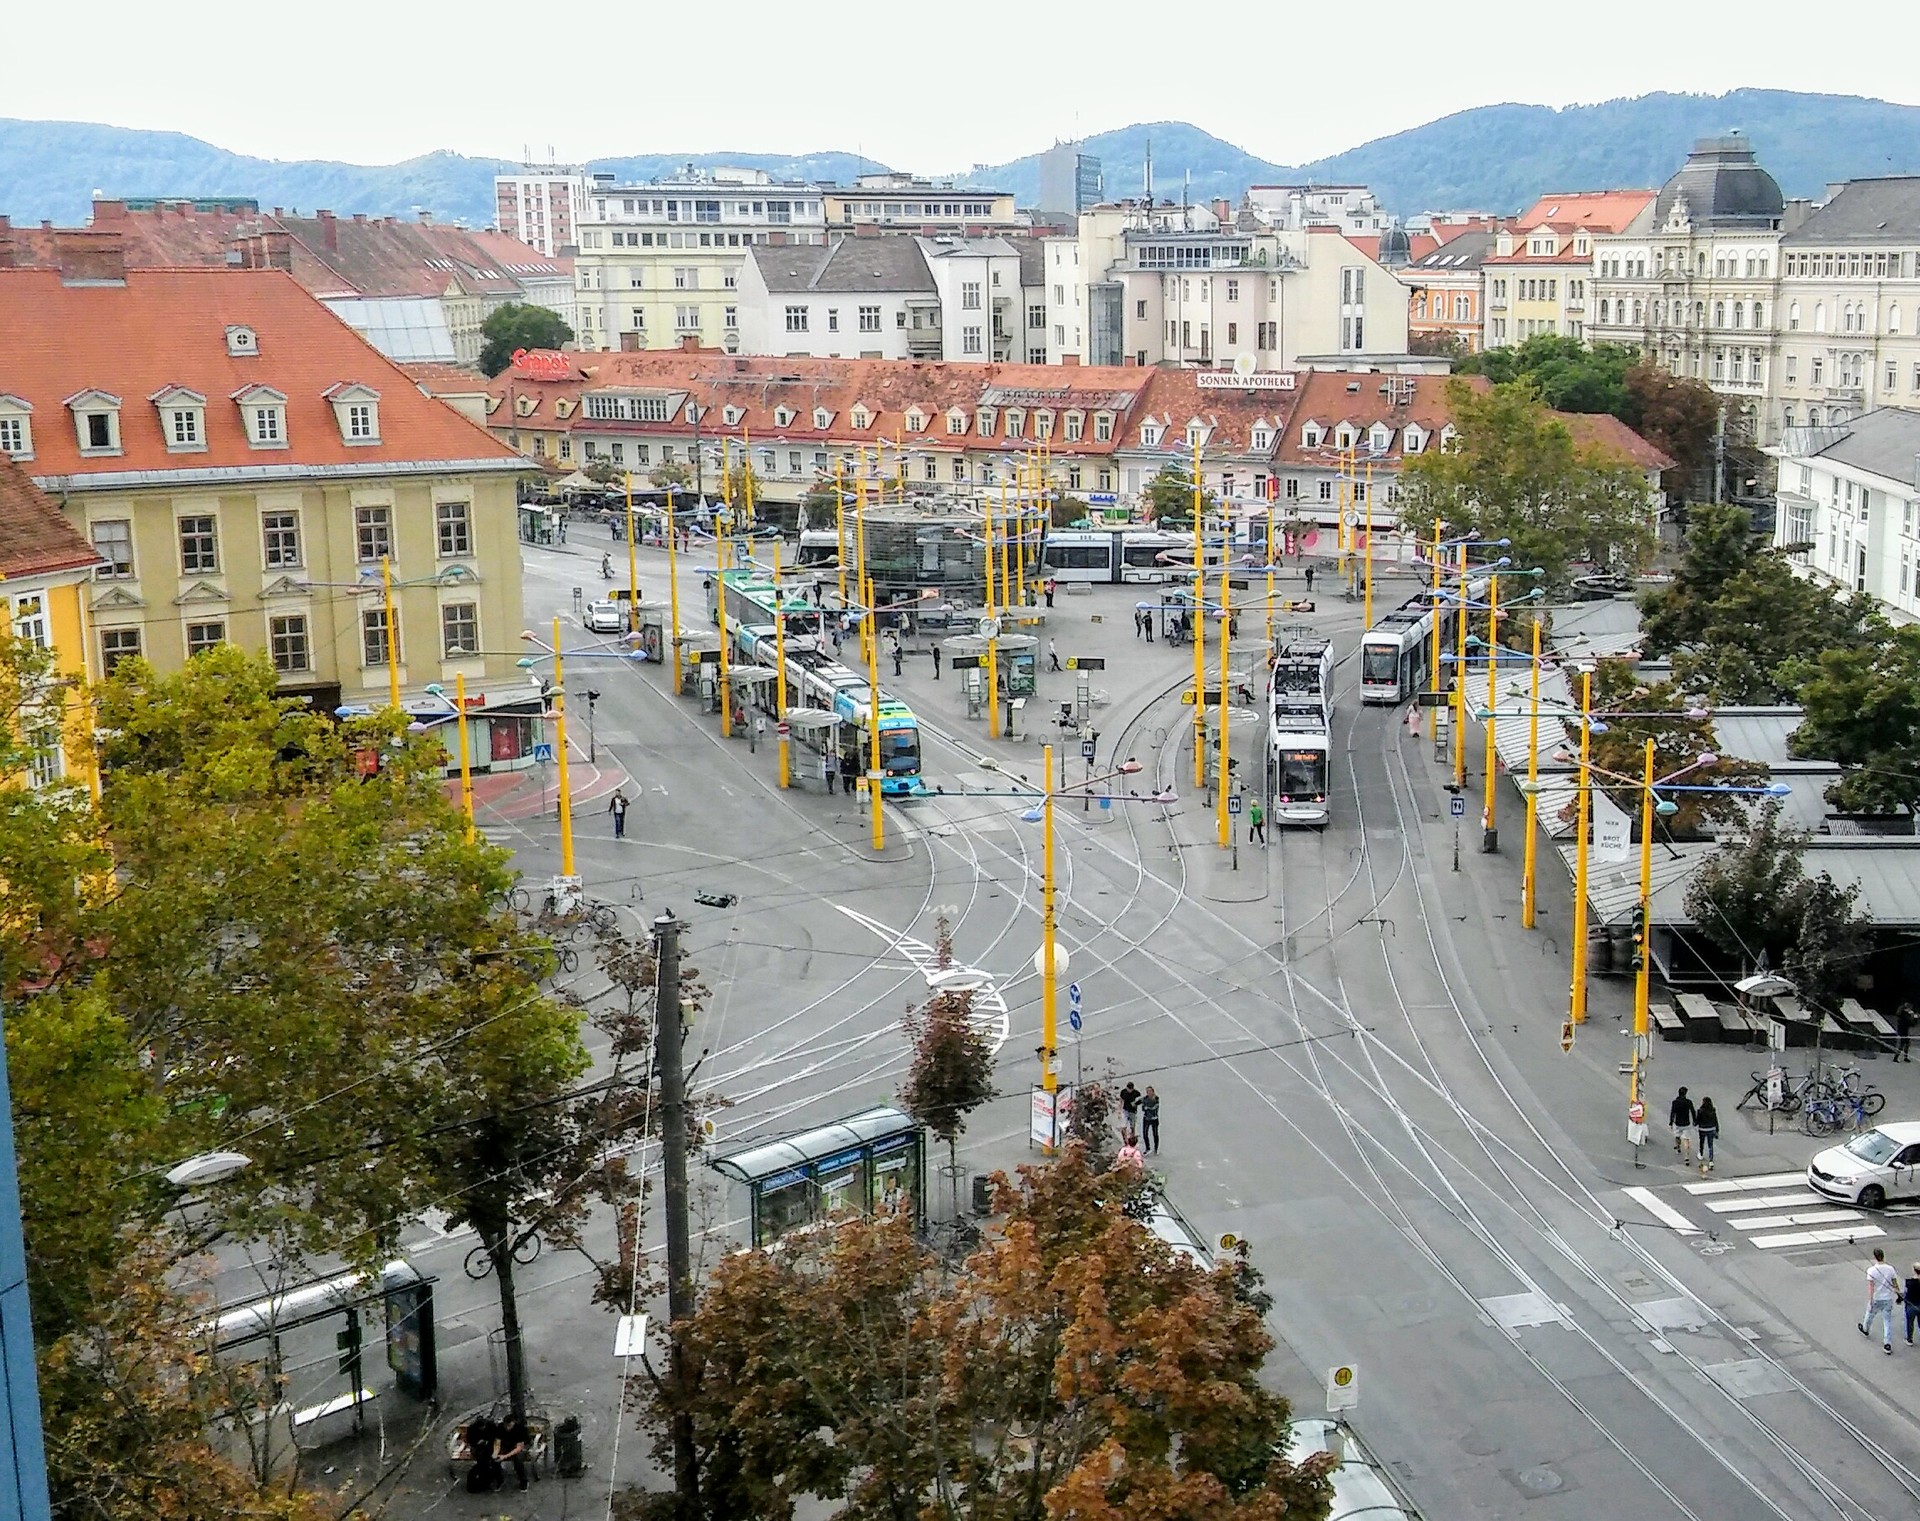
(1753, 900)
(1674, 413)
(672, 475)
(1170, 496)
(1678, 741)
(950, 1073)
(604, 472)
(517, 326)
(1514, 472)
(1863, 710)
(1069, 509)
(1075, 1366)
(1440, 345)
(1565, 373)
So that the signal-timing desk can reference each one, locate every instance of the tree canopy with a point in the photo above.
(518, 326)
(1515, 472)
(1863, 710)
(1565, 373)
(1619, 751)
(1170, 496)
(1076, 1365)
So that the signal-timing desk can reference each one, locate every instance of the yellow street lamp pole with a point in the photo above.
(673, 594)
(1489, 826)
(1270, 507)
(466, 757)
(1226, 624)
(746, 473)
(993, 667)
(1048, 976)
(393, 633)
(1433, 714)
(1367, 501)
(873, 725)
(860, 554)
(1533, 782)
(1199, 621)
(780, 672)
(560, 753)
(720, 611)
(1577, 1006)
(1644, 970)
(633, 567)
(1460, 681)
(840, 529)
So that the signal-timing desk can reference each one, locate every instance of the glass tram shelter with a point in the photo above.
(871, 1161)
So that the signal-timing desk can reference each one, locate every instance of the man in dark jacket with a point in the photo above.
(1680, 1117)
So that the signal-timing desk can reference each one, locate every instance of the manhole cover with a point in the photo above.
(1538, 1480)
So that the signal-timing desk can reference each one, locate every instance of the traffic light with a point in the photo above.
(1639, 938)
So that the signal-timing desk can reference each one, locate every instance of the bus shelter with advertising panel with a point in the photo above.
(871, 1161)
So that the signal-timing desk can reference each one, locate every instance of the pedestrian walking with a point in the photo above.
(1137, 624)
(1130, 1105)
(1883, 1287)
(1053, 656)
(1910, 1297)
(1150, 1120)
(1680, 1117)
(1129, 1154)
(1256, 821)
(618, 808)
(936, 660)
(899, 654)
(1706, 1122)
(1309, 578)
(1903, 1018)
(1147, 616)
(848, 771)
(1050, 589)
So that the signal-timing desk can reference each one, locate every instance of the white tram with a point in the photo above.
(1396, 654)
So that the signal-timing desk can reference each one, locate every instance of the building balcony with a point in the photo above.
(923, 342)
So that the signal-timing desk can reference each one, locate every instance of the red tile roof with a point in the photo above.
(35, 539)
(163, 328)
(1595, 210)
(1607, 433)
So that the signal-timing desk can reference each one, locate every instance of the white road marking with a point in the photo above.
(1815, 1238)
(1762, 1201)
(1662, 1211)
(1770, 1222)
(1748, 1185)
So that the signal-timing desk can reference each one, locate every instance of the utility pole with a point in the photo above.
(673, 1156)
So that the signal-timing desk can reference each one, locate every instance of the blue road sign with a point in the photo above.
(1073, 994)
(543, 752)
(1457, 807)
(1086, 749)
(1235, 803)
(1073, 1016)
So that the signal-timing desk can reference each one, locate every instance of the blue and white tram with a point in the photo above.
(1396, 654)
(1112, 556)
(1303, 676)
(1302, 761)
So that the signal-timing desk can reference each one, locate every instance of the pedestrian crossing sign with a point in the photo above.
(543, 752)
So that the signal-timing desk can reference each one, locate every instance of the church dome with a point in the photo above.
(1721, 187)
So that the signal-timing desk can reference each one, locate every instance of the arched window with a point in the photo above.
(1793, 316)
(1819, 316)
(1719, 314)
(1739, 314)
(1893, 318)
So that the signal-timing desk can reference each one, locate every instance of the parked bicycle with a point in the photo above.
(1828, 1113)
(479, 1261)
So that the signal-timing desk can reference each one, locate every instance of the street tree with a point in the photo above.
(950, 1073)
(1619, 752)
(1514, 471)
(1753, 900)
(1170, 496)
(604, 472)
(1069, 509)
(1863, 711)
(517, 326)
(1567, 374)
(672, 475)
(1676, 414)
(1074, 1366)
(1439, 345)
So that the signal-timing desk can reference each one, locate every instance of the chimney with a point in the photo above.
(88, 257)
(9, 256)
(1069, 358)
(278, 212)
(278, 250)
(1222, 210)
(109, 212)
(690, 343)
(360, 217)
(329, 230)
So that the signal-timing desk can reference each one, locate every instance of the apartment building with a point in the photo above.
(1445, 290)
(242, 464)
(902, 203)
(659, 264)
(46, 567)
(855, 298)
(1350, 208)
(1849, 504)
(540, 205)
(1539, 273)
(1847, 314)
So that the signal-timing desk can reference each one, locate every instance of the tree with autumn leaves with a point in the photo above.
(1073, 1365)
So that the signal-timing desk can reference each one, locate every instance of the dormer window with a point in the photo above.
(96, 422)
(956, 422)
(242, 342)
(1310, 436)
(1196, 434)
(731, 415)
(1447, 435)
(263, 412)
(916, 420)
(1043, 424)
(987, 416)
(1150, 435)
(183, 419)
(356, 409)
(782, 416)
(1260, 438)
(822, 418)
(16, 426)
(1102, 427)
(1344, 436)
(860, 417)
(1414, 439)
(1016, 422)
(693, 413)
(1075, 422)
(1380, 438)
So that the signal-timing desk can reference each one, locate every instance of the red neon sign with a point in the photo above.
(543, 364)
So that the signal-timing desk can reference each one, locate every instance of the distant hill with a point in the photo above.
(1492, 158)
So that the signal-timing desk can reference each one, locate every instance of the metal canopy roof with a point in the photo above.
(767, 1158)
(1888, 871)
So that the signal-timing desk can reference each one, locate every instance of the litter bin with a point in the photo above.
(569, 1456)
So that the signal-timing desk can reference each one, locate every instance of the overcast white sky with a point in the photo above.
(921, 87)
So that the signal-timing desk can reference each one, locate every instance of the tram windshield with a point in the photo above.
(1303, 773)
(1380, 664)
(900, 750)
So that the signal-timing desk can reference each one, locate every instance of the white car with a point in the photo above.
(605, 616)
(1876, 1166)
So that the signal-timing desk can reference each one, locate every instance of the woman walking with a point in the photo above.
(1706, 1125)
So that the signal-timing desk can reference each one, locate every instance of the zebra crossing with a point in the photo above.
(1768, 1212)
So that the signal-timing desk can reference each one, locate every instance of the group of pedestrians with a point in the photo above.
(1690, 1122)
(1140, 1120)
(1143, 623)
(1884, 1290)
